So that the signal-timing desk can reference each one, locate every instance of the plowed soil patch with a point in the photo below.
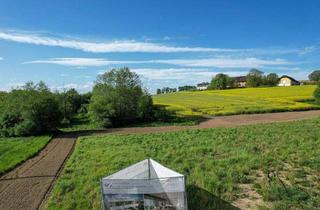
(26, 186)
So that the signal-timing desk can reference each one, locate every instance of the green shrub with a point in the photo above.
(29, 111)
(221, 81)
(118, 99)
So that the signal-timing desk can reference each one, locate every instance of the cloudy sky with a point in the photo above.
(168, 42)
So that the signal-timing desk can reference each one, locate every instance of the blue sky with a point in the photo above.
(169, 43)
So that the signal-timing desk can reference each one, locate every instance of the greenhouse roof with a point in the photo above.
(146, 169)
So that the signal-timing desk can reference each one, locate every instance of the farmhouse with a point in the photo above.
(240, 81)
(203, 86)
(287, 81)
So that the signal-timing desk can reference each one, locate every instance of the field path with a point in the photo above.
(26, 186)
(222, 121)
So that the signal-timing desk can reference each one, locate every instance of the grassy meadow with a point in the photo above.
(279, 163)
(238, 101)
(13, 151)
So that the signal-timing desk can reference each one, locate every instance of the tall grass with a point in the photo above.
(16, 150)
(215, 162)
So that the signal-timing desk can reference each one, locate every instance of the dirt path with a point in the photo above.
(222, 121)
(26, 186)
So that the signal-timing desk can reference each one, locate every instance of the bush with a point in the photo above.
(118, 99)
(255, 78)
(221, 81)
(29, 111)
(315, 76)
(271, 79)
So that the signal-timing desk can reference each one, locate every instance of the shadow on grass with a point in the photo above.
(201, 199)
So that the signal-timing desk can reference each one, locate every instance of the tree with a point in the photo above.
(70, 103)
(31, 110)
(254, 78)
(187, 88)
(118, 99)
(315, 76)
(158, 91)
(221, 81)
(271, 79)
(316, 94)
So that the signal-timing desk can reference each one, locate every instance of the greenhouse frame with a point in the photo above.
(144, 185)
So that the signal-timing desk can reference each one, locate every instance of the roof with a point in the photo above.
(291, 78)
(145, 169)
(240, 79)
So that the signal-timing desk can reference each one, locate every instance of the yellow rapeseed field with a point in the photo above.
(238, 101)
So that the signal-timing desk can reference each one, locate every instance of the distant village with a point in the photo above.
(255, 78)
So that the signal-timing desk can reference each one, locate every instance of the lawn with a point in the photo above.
(278, 163)
(14, 151)
(238, 101)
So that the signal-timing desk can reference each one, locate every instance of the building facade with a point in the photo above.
(287, 81)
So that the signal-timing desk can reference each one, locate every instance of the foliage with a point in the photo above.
(215, 161)
(271, 79)
(69, 103)
(31, 110)
(166, 90)
(221, 81)
(187, 88)
(255, 78)
(315, 76)
(119, 99)
(13, 151)
(80, 122)
(316, 94)
(238, 101)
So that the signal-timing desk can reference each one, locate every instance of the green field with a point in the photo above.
(16, 150)
(279, 161)
(238, 101)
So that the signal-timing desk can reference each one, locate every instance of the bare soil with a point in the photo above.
(28, 185)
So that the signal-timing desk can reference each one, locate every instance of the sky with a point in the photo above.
(67, 44)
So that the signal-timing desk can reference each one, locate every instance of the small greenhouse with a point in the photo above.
(144, 185)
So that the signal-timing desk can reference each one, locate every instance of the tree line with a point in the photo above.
(255, 78)
(117, 99)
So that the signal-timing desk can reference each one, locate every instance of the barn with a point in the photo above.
(287, 81)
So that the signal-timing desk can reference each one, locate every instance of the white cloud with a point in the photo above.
(80, 87)
(225, 62)
(102, 47)
(136, 46)
(190, 74)
(209, 62)
(308, 50)
(79, 62)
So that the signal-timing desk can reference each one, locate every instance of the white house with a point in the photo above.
(203, 86)
(287, 81)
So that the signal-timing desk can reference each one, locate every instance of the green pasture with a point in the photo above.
(280, 161)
